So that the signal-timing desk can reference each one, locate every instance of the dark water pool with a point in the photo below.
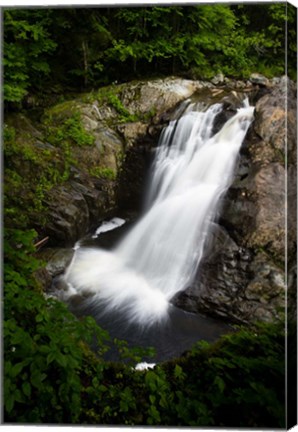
(170, 338)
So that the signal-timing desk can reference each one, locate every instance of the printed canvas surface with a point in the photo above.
(149, 202)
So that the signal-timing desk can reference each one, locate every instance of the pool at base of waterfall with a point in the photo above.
(170, 338)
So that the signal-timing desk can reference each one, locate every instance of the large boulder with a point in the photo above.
(256, 78)
(235, 283)
(73, 208)
(158, 96)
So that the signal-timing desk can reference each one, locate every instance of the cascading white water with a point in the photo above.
(161, 254)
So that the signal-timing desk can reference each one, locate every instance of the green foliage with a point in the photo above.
(103, 172)
(173, 36)
(46, 49)
(110, 96)
(73, 129)
(237, 382)
(9, 135)
(51, 376)
(124, 114)
(27, 46)
(262, 37)
(45, 346)
(70, 129)
(30, 172)
(67, 135)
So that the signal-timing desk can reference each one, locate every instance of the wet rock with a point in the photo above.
(97, 111)
(133, 132)
(254, 212)
(292, 213)
(218, 79)
(133, 178)
(240, 84)
(75, 206)
(261, 194)
(275, 80)
(235, 284)
(269, 195)
(68, 215)
(270, 123)
(57, 259)
(110, 147)
(292, 295)
(243, 279)
(259, 79)
(43, 278)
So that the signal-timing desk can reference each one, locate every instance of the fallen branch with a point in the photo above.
(41, 242)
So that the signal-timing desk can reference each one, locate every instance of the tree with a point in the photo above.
(262, 36)
(81, 48)
(27, 45)
(82, 36)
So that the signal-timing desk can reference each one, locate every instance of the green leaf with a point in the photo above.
(178, 372)
(19, 397)
(219, 382)
(36, 378)
(9, 402)
(44, 349)
(154, 414)
(61, 359)
(39, 318)
(152, 399)
(51, 357)
(16, 369)
(26, 387)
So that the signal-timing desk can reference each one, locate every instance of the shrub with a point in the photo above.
(51, 376)
(45, 346)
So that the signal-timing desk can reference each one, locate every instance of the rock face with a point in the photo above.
(243, 277)
(74, 207)
(118, 119)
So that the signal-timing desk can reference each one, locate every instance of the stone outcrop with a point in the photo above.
(72, 208)
(118, 142)
(118, 118)
(57, 259)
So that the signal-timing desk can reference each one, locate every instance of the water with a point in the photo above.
(130, 287)
(109, 226)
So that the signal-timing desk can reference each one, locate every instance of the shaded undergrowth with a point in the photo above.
(52, 376)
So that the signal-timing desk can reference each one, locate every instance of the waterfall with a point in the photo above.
(161, 254)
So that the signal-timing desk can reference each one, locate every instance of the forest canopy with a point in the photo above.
(77, 49)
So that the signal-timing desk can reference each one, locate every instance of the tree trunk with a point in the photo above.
(85, 60)
(134, 64)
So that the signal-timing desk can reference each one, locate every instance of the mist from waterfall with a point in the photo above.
(160, 256)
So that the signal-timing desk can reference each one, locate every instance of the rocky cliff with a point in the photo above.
(250, 259)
